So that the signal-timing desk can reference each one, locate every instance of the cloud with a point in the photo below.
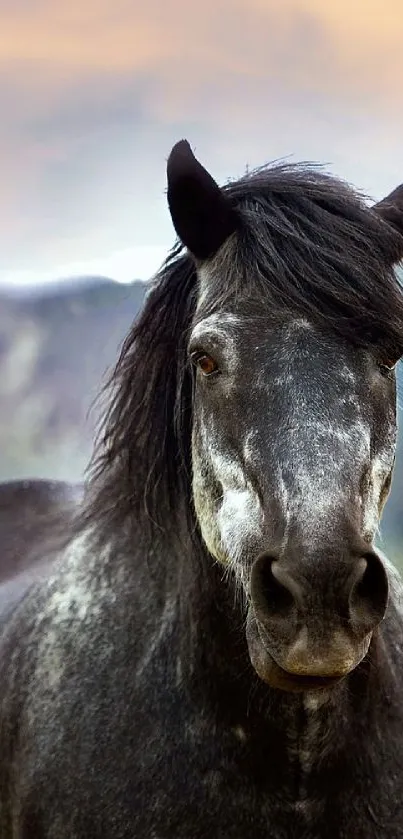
(94, 94)
(355, 46)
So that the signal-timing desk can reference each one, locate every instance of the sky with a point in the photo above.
(94, 93)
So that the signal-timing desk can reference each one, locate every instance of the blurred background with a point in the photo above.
(93, 95)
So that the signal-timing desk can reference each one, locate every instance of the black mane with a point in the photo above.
(308, 244)
(312, 246)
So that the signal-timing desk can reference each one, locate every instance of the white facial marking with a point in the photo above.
(226, 524)
(315, 479)
(238, 516)
(380, 469)
(217, 323)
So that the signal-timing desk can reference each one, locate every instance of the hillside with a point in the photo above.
(55, 347)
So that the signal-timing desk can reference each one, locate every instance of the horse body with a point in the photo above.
(215, 648)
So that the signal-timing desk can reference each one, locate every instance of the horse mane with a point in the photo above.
(309, 244)
(141, 460)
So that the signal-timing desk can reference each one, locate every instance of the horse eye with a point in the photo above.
(206, 364)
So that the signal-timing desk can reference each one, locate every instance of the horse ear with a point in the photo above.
(201, 214)
(391, 210)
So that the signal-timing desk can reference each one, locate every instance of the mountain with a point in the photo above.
(55, 345)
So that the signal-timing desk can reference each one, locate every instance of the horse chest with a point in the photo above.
(117, 758)
(175, 775)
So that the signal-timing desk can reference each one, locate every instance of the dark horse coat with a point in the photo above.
(214, 647)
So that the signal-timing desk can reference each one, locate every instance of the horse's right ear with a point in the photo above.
(201, 214)
(391, 210)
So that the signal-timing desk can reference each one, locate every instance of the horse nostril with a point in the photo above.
(369, 593)
(271, 590)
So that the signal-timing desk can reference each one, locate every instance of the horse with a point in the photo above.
(216, 646)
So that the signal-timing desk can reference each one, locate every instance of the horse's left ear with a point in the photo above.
(391, 210)
(201, 214)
